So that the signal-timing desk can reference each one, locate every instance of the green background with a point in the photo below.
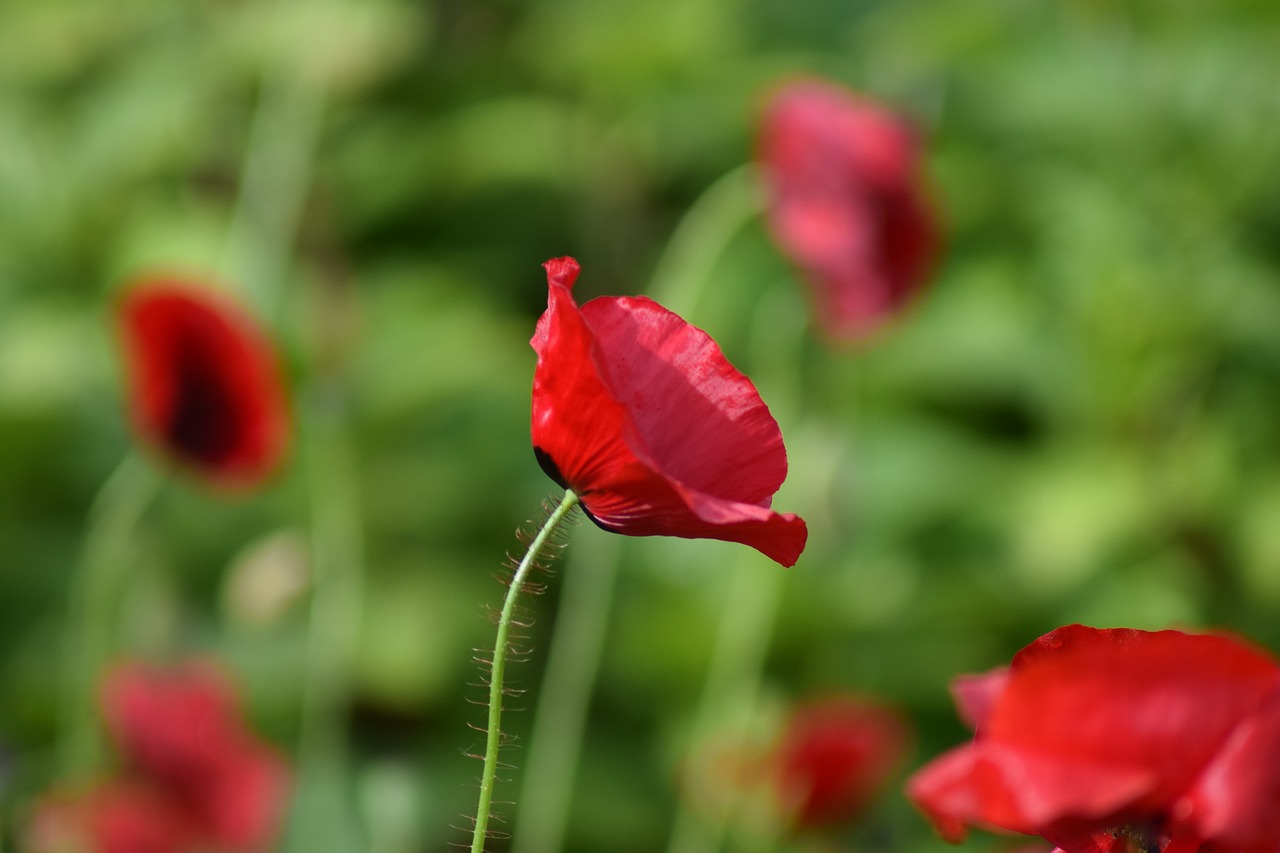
(1077, 422)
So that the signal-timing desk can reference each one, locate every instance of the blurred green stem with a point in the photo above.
(700, 239)
(565, 694)
(94, 602)
(274, 185)
(497, 670)
(275, 176)
(337, 549)
(732, 687)
(582, 617)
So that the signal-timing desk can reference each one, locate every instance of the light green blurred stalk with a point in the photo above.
(732, 686)
(322, 818)
(555, 743)
(260, 245)
(96, 587)
(275, 177)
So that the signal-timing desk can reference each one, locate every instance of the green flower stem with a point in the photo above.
(565, 694)
(493, 739)
(96, 588)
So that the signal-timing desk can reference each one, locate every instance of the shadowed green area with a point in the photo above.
(1080, 421)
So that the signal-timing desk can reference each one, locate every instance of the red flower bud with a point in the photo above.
(203, 383)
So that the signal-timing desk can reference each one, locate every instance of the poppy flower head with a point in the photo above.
(180, 731)
(641, 415)
(1101, 740)
(203, 383)
(847, 203)
(833, 757)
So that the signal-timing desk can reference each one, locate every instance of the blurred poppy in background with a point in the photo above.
(1110, 740)
(641, 415)
(847, 203)
(195, 777)
(203, 382)
(833, 756)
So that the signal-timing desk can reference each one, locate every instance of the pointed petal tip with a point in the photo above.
(786, 547)
(562, 271)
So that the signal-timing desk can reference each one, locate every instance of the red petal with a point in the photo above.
(1236, 800)
(991, 784)
(696, 418)
(203, 383)
(1165, 700)
(975, 694)
(641, 415)
(1094, 729)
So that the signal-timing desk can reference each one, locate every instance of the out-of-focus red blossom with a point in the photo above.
(181, 729)
(1119, 741)
(641, 415)
(847, 203)
(196, 779)
(203, 382)
(833, 757)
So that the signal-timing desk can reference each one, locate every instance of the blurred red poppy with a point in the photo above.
(203, 382)
(833, 757)
(180, 729)
(643, 417)
(847, 204)
(1119, 741)
(195, 778)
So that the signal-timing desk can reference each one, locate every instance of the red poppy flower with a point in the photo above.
(203, 383)
(1119, 741)
(833, 757)
(643, 417)
(847, 203)
(179, 731)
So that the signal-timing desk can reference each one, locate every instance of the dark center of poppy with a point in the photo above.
(1138, 839)
(203, 425)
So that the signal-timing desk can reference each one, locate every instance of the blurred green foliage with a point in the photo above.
(1079, 422)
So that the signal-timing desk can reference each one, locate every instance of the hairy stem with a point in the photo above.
(498, 668)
